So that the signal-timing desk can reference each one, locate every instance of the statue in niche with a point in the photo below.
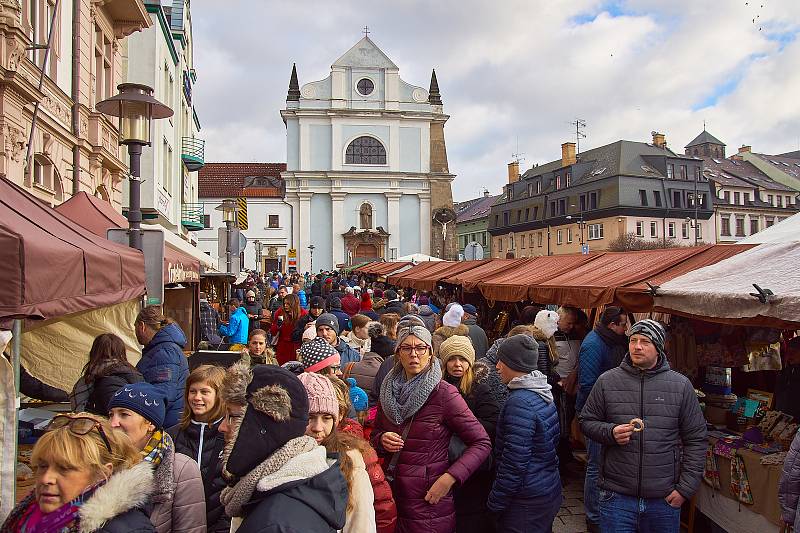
(366, 216)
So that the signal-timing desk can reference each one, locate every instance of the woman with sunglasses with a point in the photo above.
(88, 478)
(418, 412)
(179, 499)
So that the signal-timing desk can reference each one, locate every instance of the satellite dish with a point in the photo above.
(473, 251)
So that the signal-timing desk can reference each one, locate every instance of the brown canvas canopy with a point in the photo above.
(470, 279)
(406, 277)
(513, 285)
(426, 281)
(383, 268)
(98, 216)
(52, 268)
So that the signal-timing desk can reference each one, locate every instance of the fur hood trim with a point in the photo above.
(125, 490)
(481, 371)
(303, 466)
(445, 332)
(235, 382)
(375, 329)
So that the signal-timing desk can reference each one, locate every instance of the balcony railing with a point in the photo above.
(193, 153)
(192, 216)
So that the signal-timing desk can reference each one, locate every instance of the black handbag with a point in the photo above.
(456, 449)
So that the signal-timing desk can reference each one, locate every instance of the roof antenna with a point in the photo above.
(517, 156)
(579, 125)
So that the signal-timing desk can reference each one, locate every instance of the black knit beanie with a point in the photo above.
(519, 352)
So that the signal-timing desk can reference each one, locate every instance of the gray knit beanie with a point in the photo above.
(420, 332)
(519, 352)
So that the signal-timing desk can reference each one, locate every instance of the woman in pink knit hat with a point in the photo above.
(323, 419)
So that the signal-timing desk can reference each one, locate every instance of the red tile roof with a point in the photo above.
(227, 180)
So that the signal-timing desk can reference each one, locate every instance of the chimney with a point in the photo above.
(745, 148)
(486, 193)
(659, 139)
(513, 171)
(568, 156)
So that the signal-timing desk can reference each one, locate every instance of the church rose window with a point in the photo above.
(365, 151)
(365, 86)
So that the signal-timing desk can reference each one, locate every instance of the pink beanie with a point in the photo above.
(321, 395)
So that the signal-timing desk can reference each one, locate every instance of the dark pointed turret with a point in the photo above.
(434, 98)
(294, 87)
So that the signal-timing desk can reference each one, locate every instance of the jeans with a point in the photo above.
(530, 515)
(626, 514)
(590, 489)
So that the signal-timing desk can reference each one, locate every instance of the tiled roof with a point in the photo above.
(789, 165)
(792, 155)
(475, 208)
(229, 180)
(704, 138)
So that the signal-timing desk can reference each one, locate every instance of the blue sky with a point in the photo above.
(515, 70)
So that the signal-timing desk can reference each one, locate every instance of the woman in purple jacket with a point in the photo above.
(414, 398)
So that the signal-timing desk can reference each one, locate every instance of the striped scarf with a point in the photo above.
(155, 449)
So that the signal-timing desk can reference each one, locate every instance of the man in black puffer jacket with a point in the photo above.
(653, 433)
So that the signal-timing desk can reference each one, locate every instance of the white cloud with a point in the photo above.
(513, 70)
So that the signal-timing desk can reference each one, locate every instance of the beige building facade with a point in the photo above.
(74, 148)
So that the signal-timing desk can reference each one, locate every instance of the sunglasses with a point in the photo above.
(79, 425)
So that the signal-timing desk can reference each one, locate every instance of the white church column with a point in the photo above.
(425, 224)
(337, 226)
(393, 218)
(302, 219)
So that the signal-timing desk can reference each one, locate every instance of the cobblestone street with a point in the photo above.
(571, 518)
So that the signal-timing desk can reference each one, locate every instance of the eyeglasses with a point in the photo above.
(79, 425)
(231, 417)
(335, 368)
(419, 349)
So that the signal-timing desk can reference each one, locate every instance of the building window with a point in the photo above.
(685, 230)
(206, 221)
(582, 202)
(595, 231)
(365, 86)
(273, 221)
(684, 174)
(569, 178)
(562, 206)
(505, 218)
(483, 238)
(726, 196)
(519, 216)
(500, 244)
(642, 197)
(38, 173)
(103, 61)
(497, 220)
(725, 225)
(530, 189)
(558, 182)
(530, 240)
(671, 230)
(365, 151)
(676, 199)
(510, 192)
(559, 236)
(753, 225)
(536, 212)
(779, 199)
(539, 239)
(538, 186)
(788, 201)
(701, 200)
(569, 235)
(639, 228)
(592, 200)
(527, 213)
(552, 209)
(670, 171)
(657, 196)
(740, 226)
(653, 229)
(166, 180)
(697, 173)
(698, 231)
(737, 198)
(769, 200)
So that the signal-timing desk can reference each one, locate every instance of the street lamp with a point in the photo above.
(258, 246)
(135, 107)
(311, 252)
(228, 208)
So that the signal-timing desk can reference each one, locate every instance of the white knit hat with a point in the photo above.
(452, 318)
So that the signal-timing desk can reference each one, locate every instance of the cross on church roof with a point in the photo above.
(366, 31)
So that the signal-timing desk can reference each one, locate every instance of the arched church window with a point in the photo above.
(365, 151)
(365, 214)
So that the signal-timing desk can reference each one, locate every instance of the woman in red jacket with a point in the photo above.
(415, 399)
(283, 322)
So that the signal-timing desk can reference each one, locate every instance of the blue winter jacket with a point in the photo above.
(347, 354)
(164, 365)
(525, 446)
(344, 319)
(237, 327)
(595, 358)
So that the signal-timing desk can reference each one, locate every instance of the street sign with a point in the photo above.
(585, 249)
(242, 243)
(291, 258)
(236, 241)
(153, 250)
(473, 251)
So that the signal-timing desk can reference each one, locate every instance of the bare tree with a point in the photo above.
(629, 242)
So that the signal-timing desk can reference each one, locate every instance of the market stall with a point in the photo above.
(427, 280)
(402, 279)
(468, 280)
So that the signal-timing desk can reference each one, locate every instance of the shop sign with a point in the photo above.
(164, 204)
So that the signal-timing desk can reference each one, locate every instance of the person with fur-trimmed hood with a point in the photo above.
(279, 479)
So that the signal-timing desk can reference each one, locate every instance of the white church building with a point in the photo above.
(366, 164)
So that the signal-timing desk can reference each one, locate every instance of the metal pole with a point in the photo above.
(135, 203)
(16, 354)
(312, 261)
(228, 247)
(696, 206)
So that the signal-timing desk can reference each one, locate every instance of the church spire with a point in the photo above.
(294, 87)
(434, 98)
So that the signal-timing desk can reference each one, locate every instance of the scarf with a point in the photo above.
(155, 449)
(617, 344)
(403, 398)
(235, 497)
(27, 517)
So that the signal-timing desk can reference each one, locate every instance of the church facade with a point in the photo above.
(367, 174)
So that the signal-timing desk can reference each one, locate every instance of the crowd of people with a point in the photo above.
(357, 407)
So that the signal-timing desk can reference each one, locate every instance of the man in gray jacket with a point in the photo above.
(653, 433)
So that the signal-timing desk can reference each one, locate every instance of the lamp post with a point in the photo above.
(258, 246)
(228, 208)
(311, 253)
(135, 107)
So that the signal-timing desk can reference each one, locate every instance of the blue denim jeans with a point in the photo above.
(530, 515)
(627, 514)
(590, 489)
